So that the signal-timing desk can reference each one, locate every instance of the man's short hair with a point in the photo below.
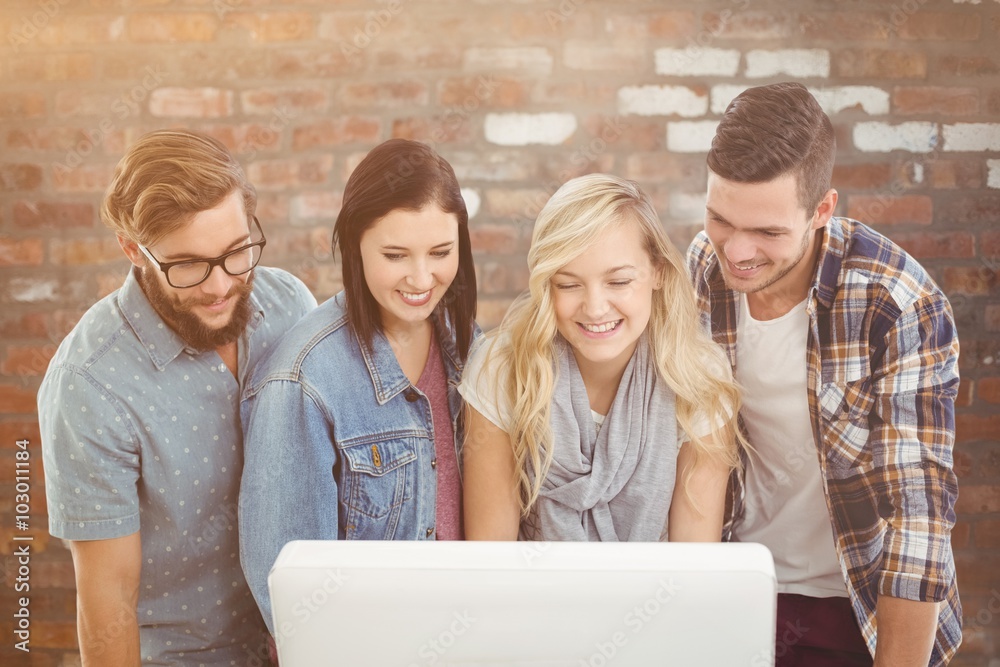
(770, 131)
(167, 177)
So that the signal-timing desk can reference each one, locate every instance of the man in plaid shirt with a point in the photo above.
(848, 358)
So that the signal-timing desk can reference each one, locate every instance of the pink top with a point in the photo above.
(434, 383)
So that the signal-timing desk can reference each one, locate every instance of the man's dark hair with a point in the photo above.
(770, 131)
(402, 175)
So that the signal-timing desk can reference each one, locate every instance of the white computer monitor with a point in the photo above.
(543, 604)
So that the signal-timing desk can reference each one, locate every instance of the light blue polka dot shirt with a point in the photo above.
(142, 433)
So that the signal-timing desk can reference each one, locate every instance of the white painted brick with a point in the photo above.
(696, 61)
(687, 206)
(972, 137)
(472, 201)
(873, 101)
(876, 137)
(527, 58)
(662, 101)
(793, 62)
(521, 129)
(723, 94)
(993, 177)
(691, 136)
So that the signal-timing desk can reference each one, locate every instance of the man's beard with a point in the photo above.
(179, 316)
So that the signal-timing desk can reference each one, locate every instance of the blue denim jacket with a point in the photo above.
(338, 443)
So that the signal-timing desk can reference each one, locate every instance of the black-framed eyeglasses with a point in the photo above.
(192, 272)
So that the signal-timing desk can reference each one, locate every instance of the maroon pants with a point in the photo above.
(818, 632)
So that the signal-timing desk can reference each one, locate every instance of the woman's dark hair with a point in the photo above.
(402, 175)
(773, 130)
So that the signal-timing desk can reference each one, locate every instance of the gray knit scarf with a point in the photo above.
(614, 485)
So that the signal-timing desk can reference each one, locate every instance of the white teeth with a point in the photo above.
(601, 328)
(410, 296)
(747, 268)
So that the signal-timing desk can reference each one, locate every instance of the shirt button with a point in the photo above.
(411, 395)
(430, 531)
(434, 463)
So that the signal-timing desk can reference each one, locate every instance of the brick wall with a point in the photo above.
(519, 96)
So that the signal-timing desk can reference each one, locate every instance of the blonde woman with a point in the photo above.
(599, 410)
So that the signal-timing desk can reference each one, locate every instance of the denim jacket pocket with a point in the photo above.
(378, 478)
(845, 408)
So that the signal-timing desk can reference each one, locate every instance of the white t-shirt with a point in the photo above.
(785, 498)
(480, 388)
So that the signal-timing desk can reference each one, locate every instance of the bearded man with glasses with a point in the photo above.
(139, 412)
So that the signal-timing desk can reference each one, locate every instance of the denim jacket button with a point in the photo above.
(411, 395)
(430, 531)
(434, 463)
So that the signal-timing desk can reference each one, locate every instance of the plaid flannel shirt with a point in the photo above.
(882, 381)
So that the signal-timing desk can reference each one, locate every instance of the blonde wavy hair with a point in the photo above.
(523, 345)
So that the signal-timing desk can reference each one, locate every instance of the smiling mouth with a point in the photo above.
(600, 328)
(415, 297)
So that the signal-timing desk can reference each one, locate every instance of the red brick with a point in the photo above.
(978, 499)
(292, 64)
(988, 389)
(658, 24)
(268, 100)
(499, 239)
(992, 318)
(935, 100)
(191, 102)
(951, 174)
(77, 252)
(55, 572)
(483, 91)
(989, 247)
(20, 252)
(75, 103)
(383, 95)
(454, 127)
(362, 29)
(420, 57)
(978, 572)
(81, 29)
(960, 535)
(273, 208)
(17, 399)
(13, 430)
(19, 177)
(970, 280)
(53, 215)
(880, 64)
(967, 65)
(931, 245)
(869, 176)
(175, 27)
(54, 634)
(993, 103)
(50, 139)
(17, 105)
(52, 67)
(511, 202)
(27, 360)
(343, 130)
(987, 533)
(956, 26)
(890, 210)
(660, 167)
(286, 173)
(965, 391)
(23, 325)
(273, 26)
(490, 311)
(982, 209)
(248, 138)
(322, 205)
(832, 26)
(621, 133)
(977, 427)
(748, 24)
(576, 92)
(82, 178)
(563, 21)
(584, 54)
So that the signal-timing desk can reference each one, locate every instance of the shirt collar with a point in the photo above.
(832, 251)
(162, 343)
